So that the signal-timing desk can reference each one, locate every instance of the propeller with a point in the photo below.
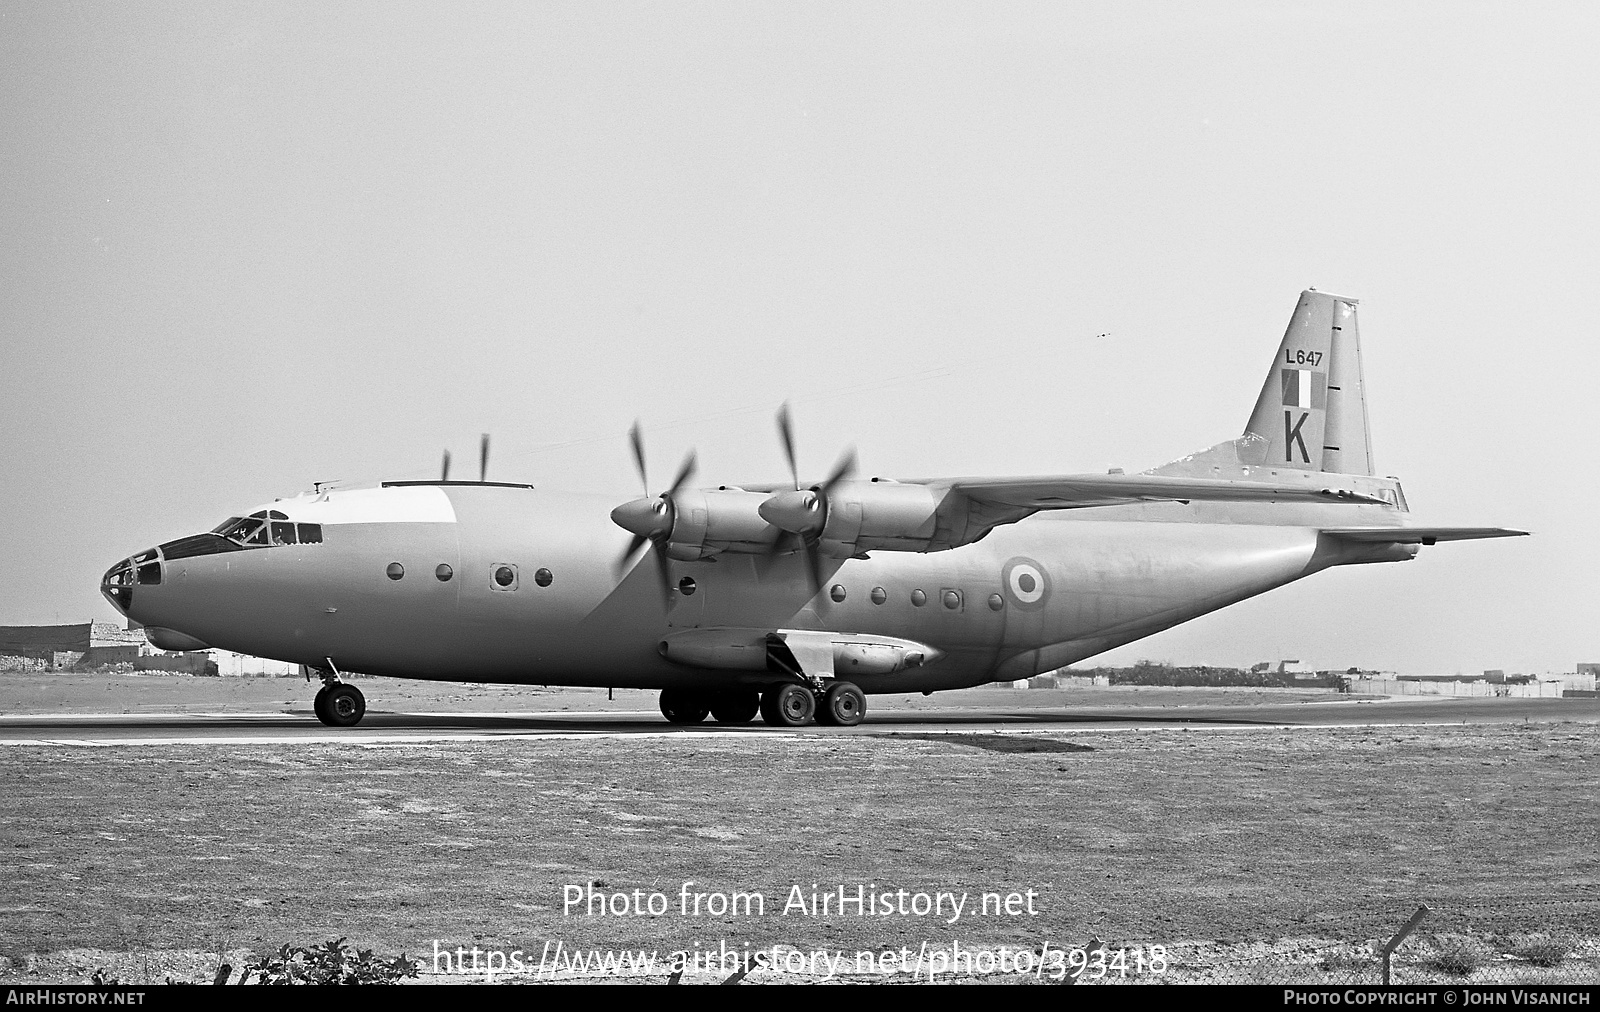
(650, 519)
(483, 458)
(444, 472)
(803, 511)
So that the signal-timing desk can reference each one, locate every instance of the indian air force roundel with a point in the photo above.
(1027, 585)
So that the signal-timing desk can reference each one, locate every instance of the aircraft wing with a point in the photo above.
(1080, 490)
(1418, 535)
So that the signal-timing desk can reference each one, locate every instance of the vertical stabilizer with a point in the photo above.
(1312, 412)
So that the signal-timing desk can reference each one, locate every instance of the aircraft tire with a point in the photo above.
(682, 707)
(735, 707)
(319, 705)
(345, 705)
(843, 705)
(788, 705)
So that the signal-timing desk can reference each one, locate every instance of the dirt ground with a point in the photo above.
(1248, 855)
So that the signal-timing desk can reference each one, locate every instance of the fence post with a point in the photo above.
(1400, 936)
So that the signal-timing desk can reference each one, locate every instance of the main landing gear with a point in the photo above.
(840, 704)
(337, 703)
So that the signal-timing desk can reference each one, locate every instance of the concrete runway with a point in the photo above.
(422, 728)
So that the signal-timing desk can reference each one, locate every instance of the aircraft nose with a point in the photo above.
(117, 585)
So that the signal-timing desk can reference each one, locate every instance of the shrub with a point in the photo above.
(1541, 950)
(1457, 955)
(332, 962)
(1346, 961)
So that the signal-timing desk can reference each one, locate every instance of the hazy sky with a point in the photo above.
(248, 247)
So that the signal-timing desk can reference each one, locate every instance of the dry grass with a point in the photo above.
(1153, 836)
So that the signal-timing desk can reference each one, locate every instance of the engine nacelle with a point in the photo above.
(708, 522)
(867, 515)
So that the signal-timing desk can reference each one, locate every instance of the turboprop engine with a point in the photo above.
(699, 523)
(853, 517)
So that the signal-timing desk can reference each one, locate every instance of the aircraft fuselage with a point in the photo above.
(412, 583)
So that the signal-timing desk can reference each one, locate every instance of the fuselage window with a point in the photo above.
(918, 598)
(505, 577)
(395, 571)
(310, 534)
(837, 592)
(444, 572)
(686, 586)
(282, 533)
(879, 595)
(543, 578)
(952, 599)
(996, 602)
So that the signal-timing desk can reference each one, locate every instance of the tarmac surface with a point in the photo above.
(399, 728)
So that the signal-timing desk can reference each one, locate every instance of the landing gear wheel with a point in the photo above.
(344, 705)
(680, 706)
(319, 705)
(788, 705)
(843, 705)
(735, 707)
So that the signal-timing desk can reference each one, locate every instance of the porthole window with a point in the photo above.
(687, 586)
(996, 602)
(879, 595)
(543, 577)
(395, 571)
(952, 599)
(444, 572)
(918, 598)
(837, 592)
(505, 577)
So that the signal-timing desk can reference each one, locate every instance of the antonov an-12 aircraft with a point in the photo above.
(792, 601)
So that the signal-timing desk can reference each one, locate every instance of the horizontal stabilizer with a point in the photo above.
(1080, 490)
(1418, 535)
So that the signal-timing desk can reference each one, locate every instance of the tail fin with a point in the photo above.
(1312, 411)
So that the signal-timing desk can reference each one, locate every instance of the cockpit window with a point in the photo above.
(268, 528)
(241, 530)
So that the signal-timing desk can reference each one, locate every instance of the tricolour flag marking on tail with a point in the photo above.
(1305, 388)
